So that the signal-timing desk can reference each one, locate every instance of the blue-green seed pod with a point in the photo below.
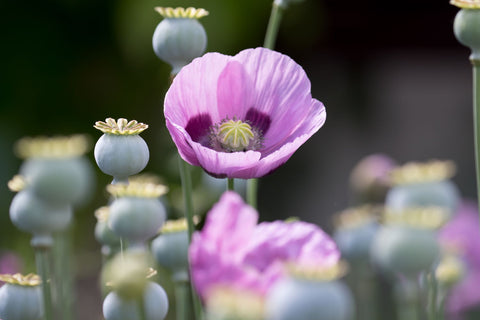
(405, 250)
(179, 37)
(466, 27)
(155, 303)
(136, 219)
(355, 229)
(136, 214)
(354, 243)
(21, 301)
(121, 152)
(301, 299)
(170, 250)
(109, 240)
(29, 213)
(442, 194)
(55, 168)
(62, 181)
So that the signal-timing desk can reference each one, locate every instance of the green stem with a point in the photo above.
(409, 302)
(141, 308)
(432, 296)
(252, 187)
(43, 270)
(63, 281)
(186, 179)
(231, 184)
(269, 43)
(182, 300)
(273, 26)
(476, 119)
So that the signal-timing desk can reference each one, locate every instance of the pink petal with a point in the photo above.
(282, 90)
(225, 164)
(233, 91)
(189, 95)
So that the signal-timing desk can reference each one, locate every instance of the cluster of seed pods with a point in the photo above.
(125, 227)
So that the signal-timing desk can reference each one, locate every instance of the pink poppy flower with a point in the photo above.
(233, 251)
(462, 233)
(241, 116)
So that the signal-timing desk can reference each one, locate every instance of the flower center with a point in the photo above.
(234, 136)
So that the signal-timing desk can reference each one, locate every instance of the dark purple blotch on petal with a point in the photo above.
(261, 121)
(198, 128)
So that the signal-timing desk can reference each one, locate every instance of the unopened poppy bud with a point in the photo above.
(179, 37)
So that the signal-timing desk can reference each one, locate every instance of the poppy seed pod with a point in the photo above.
(136, 214)
(21, 298)
(301, 299)
(179, 37)
(155, 304)
(59, 180)
(443, 194)
(55, 168)
(103, 233)
(466, 26)
(418, 185)
(29, 213)
(405, 250)
(355, 229)
(170, 249)
(121, 152)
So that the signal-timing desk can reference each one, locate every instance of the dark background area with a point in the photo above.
(391, 75)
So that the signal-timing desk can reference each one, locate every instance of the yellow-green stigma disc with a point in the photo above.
(235, 135)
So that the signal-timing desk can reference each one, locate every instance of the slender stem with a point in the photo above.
(252, 187)
(476, 119)
(63, 272)
(269, 43)
(432, 296)
(43, 270)
(409, 304)
(141, 308)
(273, 26)
(182, 300)
(230, 184)
(186, 178)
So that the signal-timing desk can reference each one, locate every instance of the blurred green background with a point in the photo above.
(391, 75)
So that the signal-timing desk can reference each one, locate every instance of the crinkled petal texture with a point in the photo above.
(233, 251)
(261, 86)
